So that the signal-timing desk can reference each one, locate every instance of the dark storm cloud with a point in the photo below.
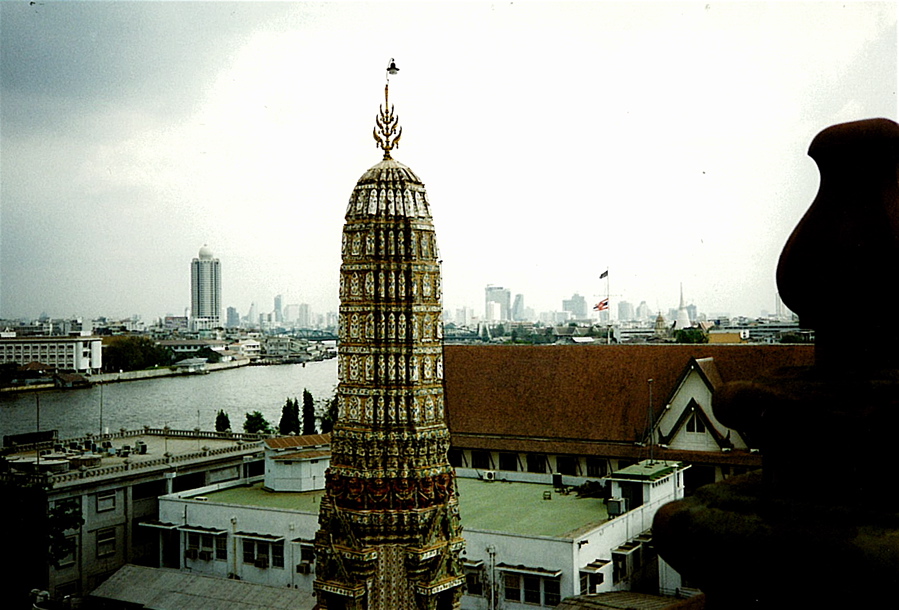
(63, 62)
(77, 78)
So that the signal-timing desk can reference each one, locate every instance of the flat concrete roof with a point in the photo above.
(157, 446)
(520, 508)
(497, 506)
(255, 495)
(183, 448)
(647, 470)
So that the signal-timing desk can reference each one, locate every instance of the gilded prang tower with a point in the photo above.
(389, 532)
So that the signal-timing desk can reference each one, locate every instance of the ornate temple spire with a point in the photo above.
(387, 132)
(389, 530)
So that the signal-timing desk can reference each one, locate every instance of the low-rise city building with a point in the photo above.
(81, 354)
(527, 544)
(113, 482)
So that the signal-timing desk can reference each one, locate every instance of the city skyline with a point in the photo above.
(665, 143)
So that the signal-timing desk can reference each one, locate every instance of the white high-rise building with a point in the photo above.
(501, 296)
(683, 317)
(625, 311)
(205, 291)
(643, 311)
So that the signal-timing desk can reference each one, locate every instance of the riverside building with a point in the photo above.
(205, 291)
(78, 354)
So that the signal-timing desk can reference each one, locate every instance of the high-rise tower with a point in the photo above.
(205, 291)
(390, 535)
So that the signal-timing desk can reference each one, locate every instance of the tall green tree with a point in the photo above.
(256, 423)
(308, 413)
(222, 421)
(329, 417)
(290, 418)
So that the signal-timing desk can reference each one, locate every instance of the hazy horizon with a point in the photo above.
(664, 142)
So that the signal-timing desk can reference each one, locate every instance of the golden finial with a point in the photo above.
(387, 131)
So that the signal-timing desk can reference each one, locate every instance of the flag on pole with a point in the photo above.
(602, 305)
(604, 274)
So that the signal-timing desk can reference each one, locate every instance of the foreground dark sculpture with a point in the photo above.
(819, 525)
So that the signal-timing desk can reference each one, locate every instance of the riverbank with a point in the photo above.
(182, 402)
(166, 372)
(104, 378)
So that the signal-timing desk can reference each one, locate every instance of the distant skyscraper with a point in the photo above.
(625, 311)
(692, 313)
(304, 317)
(576, 306)
(233, 318)
(500, 295)
(205, 290)
(464, 316)
(291, 312)
(518, 308)
(279, 316)
(683, 317)
(643, 311)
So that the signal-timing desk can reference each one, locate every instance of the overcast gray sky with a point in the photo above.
(665, 142)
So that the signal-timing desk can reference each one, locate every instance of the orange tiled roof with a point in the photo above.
(302, 455)
(597, 393)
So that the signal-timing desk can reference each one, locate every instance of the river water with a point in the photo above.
(181, 403)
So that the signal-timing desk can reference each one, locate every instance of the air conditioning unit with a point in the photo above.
(616, 506)
(304, 568)
(206, 555)
(489, 475)
(191, 554)
(261, 561)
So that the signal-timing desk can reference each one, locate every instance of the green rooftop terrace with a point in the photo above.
(519, 508)
(511, 508)
(255, 495)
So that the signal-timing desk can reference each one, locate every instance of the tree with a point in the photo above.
(257, 424)
(308, 413)
(134, 353)
(290, 418)
(329, 417)
(210, 354)
(8, 372)
(37, 532)
(222, 421)
(65, 515)
(690, 335)
(794, 338)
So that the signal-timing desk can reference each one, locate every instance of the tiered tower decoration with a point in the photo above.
(390, 534)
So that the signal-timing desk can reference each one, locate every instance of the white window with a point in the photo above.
(106, 542)
(106, 500)
(532, 589)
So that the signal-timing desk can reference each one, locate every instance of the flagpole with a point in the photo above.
(604, 305)
(609, 305)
